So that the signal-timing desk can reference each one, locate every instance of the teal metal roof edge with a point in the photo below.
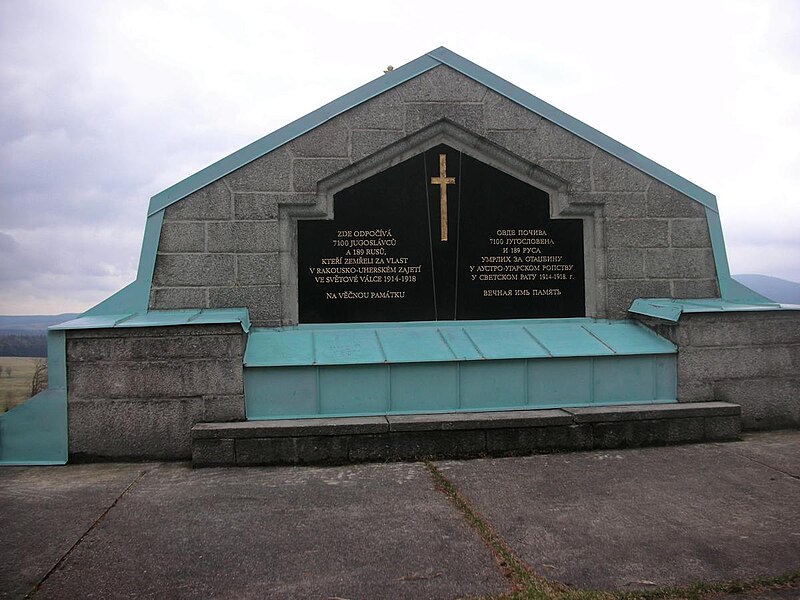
(158, 318)
(135, 297)
(450, 341)
(289, 132)
(400, 75)
(35, 432)
(729, 288)
(670, 309)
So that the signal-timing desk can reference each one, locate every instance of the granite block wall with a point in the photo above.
(747, 358)
(136, 393)
(229, 244)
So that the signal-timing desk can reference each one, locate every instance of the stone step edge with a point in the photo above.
(339, 426)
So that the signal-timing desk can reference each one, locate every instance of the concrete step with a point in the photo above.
(460, 435)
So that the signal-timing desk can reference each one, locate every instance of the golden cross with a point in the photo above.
(442, 181)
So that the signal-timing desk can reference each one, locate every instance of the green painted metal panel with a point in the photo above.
(561, 382)
(620, 379)
(281, 392)
(436, 341)
(424, 387)
(505, 342)
(629, 337)
(492, 384)
(360, 389)
(159, 318)
(417, 344)
(347, 347)
(35, 432)
(290, 348)
(670, 309)
(567, 339)
(666, 380)
(349, 390)
(460, 343)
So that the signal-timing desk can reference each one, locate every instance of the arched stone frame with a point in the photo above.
(445, 132)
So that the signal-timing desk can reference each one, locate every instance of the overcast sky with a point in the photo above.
(104, 104)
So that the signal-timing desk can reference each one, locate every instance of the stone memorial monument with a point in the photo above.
(435, 264)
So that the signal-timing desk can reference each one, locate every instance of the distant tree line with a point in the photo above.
(23, 345)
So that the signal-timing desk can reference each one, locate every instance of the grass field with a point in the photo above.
(15, 380)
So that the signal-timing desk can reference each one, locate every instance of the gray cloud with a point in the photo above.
(103, 104)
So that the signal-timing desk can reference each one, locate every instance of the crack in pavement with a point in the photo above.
(758, 462)
(74, 546)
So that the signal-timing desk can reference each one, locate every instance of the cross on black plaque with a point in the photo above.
(481, 246)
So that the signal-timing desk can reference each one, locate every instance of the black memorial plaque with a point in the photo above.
(388, 255)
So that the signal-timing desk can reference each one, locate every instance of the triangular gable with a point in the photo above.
(134, 297)
(440, 56)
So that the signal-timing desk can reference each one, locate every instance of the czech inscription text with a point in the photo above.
(366, 256)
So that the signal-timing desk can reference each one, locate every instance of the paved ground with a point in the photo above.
(623, 520)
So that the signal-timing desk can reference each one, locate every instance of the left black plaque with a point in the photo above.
(372, 263)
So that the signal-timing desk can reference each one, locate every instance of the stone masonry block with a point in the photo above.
(625, 263)
(269, 173)
(213, 453)
(663, 201)
(163, 379)
(694, 391)
(719, 429)
(526, 440)
(622, 292)
(176, 270)
(615, 205)
(520, 142)
(258, 269)
(556, 142)
(637, 233)
(219, 409)
(504, 114)
(747, 329)
(182, 237)
(695, 288)
(689, 233)
(367, 142)
(417, 445)
(263, 301)
(680, 262)
(256, 207)
(711, 364)
(177, 297)
(152, 429)
(442, 84)
(243, 236)
(291, 450)
(385, 111)
(329, 140)
(576, 173)
(767, 403)
(309, 171)
(212, 202)
(683, 431)
(611, 174)
(141, 348)
(468, 116)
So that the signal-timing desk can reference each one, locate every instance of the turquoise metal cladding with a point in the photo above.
(35, 432)
(407, 388)
(401, 368)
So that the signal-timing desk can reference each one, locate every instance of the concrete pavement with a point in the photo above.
(622, 521)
